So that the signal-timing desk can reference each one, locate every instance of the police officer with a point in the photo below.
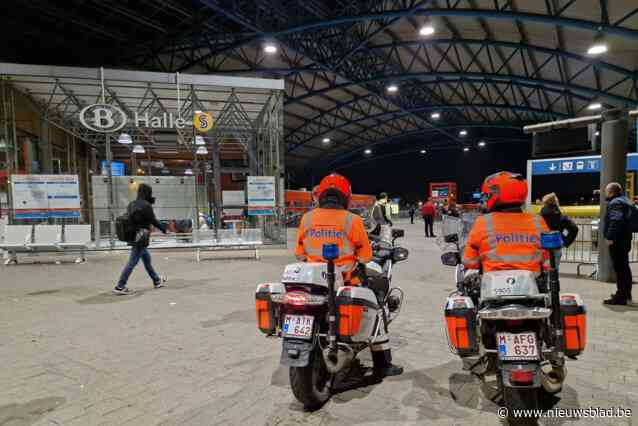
(332, 223)
(506, 238)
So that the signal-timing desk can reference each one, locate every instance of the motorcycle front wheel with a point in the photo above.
(311, 384)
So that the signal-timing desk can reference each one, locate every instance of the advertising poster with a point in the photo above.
(45, 196)
(261, 195)
(233, 199)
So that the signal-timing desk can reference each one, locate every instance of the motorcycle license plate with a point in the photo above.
(519, 346)
(298, 326)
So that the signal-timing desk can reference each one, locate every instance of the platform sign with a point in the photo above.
(573, 165)
(261, 195)
(45, 196)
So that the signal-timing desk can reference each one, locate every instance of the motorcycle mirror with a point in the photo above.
(451, 238)
(399, 254)
(451, 258)
(398, 233)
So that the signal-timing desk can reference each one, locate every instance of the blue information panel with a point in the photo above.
(561, 166)
(117, 168)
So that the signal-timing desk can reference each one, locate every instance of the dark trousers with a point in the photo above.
(138, 253)
(429, 226)
(412, 218)
(619, 252)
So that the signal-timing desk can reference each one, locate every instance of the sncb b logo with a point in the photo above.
(103, 118)
(203, 121)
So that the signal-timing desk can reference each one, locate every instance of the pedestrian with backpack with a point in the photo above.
(620, 222)
(135, 227)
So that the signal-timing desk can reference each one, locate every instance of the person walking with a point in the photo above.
(617, 232)
(380, 215)
(141, 217)
(556, 221)
(428, 212)
(412, 210)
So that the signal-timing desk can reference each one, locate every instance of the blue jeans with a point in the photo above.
(138, 253)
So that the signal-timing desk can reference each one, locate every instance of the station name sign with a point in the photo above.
(106, 118)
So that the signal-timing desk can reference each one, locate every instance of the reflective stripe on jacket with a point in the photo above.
(506, 241)
(330, 226)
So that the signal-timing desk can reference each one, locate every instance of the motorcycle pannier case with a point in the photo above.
(574, 317)
(460, 319)
(267, 305)
(356, 313)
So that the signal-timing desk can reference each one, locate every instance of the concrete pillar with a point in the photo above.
(44, 146)
(613, 169)
(217, 184)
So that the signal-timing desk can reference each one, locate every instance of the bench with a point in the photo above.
(45, 239)
(16, 240)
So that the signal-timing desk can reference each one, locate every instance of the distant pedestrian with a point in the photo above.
(380, 214)
(617, 232)
(412, 210)
(556, 221)
(141, 217)
(428, 212)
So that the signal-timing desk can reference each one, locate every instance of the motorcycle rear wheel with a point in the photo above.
(520, 399)
(311, 385)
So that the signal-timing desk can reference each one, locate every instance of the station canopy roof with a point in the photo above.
(485, 66)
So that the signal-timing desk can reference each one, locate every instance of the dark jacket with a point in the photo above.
(142, 216)
(556, 221)
(617, 227)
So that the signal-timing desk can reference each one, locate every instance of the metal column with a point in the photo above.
(614, 169)
(109, 174)
(217, 182)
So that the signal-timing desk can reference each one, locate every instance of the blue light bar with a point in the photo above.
(552, 240)
(330, 251)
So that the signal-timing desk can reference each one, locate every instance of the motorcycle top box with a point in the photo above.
(499, 284)
(309, 273)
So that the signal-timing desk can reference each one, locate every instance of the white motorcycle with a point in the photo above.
(324, 323)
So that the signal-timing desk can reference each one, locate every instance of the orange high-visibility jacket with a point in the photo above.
(331, 226)
(505, 241)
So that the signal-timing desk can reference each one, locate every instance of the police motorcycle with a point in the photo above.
(325, 324)
(510, 324)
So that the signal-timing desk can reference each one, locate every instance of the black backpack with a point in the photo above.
(124, 228)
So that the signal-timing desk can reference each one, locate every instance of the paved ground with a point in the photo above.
(190, 354)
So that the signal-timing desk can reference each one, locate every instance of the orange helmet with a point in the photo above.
(335, 182)
(503, 188)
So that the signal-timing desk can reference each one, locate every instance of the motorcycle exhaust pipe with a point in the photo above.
(552, 377)
(336, 361)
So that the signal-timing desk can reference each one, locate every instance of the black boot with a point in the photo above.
(383, 367)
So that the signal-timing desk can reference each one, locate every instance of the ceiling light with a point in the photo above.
(426, 30)
(597, 133)
(481, 144)
(435, 115)
(463, 133)
(270, 48)
(594, 106)
(599, 46)
(125, 139)
(201, 150)
(139, 149)
(367, 151)
(188, 172)
(325, 140)
(466, 149)
(199, 140)
(393, 88)
(423, 151)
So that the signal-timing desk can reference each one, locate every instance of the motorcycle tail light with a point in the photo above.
(522, 376)
(299, 298)
(350, 317)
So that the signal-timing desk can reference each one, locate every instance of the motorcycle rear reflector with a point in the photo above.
(551, 240)
(330, 251)
(574, 317)
(461, 326)
(522, 376)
